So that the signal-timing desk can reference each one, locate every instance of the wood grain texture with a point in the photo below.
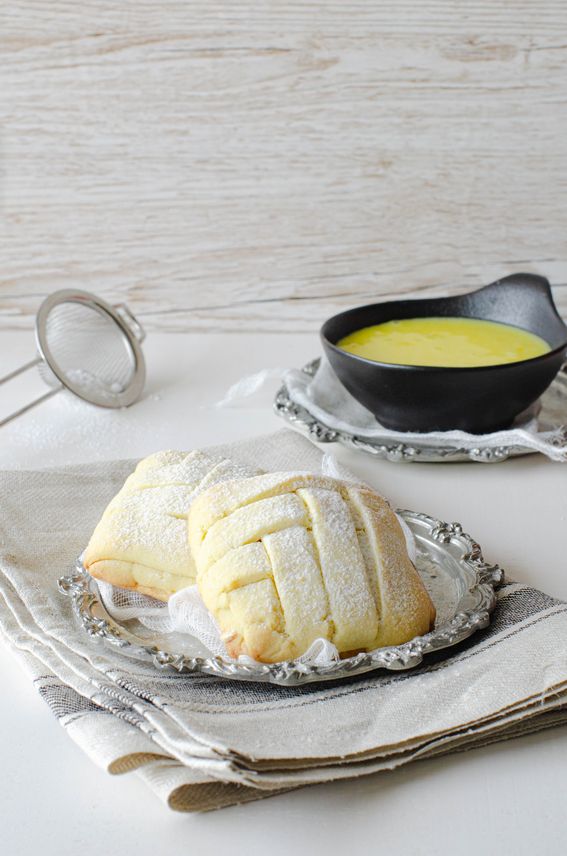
(230, 165)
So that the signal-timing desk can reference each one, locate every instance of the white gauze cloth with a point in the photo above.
(325, 397)
(541, 428)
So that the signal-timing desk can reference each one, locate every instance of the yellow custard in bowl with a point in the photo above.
(444, 342)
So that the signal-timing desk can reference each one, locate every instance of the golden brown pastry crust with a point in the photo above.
(127, 575)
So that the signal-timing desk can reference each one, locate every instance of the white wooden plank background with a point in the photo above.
(232, 165)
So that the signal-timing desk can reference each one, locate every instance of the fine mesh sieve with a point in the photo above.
(89, 347)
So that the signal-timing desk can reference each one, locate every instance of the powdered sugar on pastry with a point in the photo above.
(141, 540)
(285, 558)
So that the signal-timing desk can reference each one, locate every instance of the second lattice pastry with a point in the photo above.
(283, 559)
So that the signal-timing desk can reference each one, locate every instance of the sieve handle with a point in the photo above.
(21, 370)
(31, 404)
(130, 320)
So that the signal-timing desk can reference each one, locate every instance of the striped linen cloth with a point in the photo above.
(202, 743)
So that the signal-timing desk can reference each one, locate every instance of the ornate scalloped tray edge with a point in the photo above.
(448, 559)
(300, 418)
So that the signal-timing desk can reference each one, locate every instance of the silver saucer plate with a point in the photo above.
(553, 412)
(461, 584)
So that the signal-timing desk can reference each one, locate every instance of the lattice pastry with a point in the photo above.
(141, 540)
(283, 559)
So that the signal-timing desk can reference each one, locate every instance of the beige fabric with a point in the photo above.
(201, 744)
(283, 559)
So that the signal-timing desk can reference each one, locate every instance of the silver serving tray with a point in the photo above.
(461, 584)
(423, 451)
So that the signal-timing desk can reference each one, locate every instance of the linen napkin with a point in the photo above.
(203, 743)
(324, 396)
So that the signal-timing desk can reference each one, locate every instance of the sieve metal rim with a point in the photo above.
(86, 298)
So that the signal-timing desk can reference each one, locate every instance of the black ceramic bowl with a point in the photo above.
(477, 400)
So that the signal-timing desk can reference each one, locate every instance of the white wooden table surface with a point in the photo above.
(506, 799)
(260, 165)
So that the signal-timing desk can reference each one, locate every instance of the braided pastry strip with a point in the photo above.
(283, 559)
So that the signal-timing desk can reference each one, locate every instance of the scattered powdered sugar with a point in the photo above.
(91, 385)
(67, 430)
(331, 467)
(146, 522)
(278, 509)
